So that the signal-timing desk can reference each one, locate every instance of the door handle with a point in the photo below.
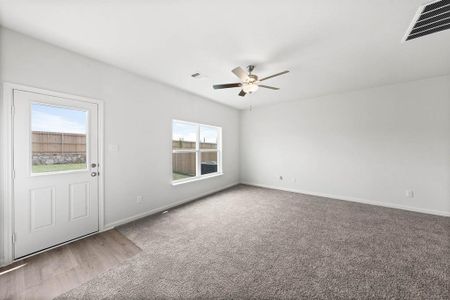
(93, 174)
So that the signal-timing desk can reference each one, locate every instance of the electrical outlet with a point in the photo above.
(139, 199)
(409, 193)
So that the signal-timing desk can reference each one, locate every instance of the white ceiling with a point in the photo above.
(329, 46)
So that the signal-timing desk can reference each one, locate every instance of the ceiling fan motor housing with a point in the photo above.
(252, 78)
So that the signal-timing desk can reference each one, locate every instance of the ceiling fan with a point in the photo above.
(249, 82)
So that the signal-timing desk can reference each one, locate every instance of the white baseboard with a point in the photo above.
(163, 208)
(354, 199)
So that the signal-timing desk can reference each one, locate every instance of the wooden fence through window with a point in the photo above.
(58, 142)
(184, 163)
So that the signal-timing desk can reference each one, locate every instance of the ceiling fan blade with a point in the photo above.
(274, 75)
(226, 85)
(268, 87)
(242, 93)
(241, 73)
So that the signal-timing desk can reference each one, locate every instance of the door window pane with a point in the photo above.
(184, 136)
(58, 138)
(208, 137)
(208, 162)
(183, 165)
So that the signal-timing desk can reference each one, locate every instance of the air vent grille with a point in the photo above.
(430, 18)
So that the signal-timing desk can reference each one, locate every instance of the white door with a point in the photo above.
(55, 171)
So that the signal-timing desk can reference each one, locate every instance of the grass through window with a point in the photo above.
(58, 167)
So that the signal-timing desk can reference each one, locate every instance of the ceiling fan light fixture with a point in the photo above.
(250, 88)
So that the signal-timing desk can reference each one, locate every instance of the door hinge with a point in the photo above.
(13, 109)
(14, 174)
(13, 238)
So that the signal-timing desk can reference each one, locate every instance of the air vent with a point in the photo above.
(198, 75)
(429, 19)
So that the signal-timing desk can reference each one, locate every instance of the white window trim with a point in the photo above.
(198, 152)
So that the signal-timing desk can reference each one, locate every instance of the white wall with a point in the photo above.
(369, 145)
(138, 115)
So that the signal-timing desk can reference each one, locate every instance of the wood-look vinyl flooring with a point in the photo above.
(59, 270)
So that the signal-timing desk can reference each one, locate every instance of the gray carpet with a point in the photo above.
(249, 242)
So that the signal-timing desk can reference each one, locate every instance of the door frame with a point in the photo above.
(7, 159)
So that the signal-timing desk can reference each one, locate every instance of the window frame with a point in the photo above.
(198, 152)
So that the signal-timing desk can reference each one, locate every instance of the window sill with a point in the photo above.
(183, 181)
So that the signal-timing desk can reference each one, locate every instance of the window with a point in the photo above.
(196, 151)
(58, 138)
